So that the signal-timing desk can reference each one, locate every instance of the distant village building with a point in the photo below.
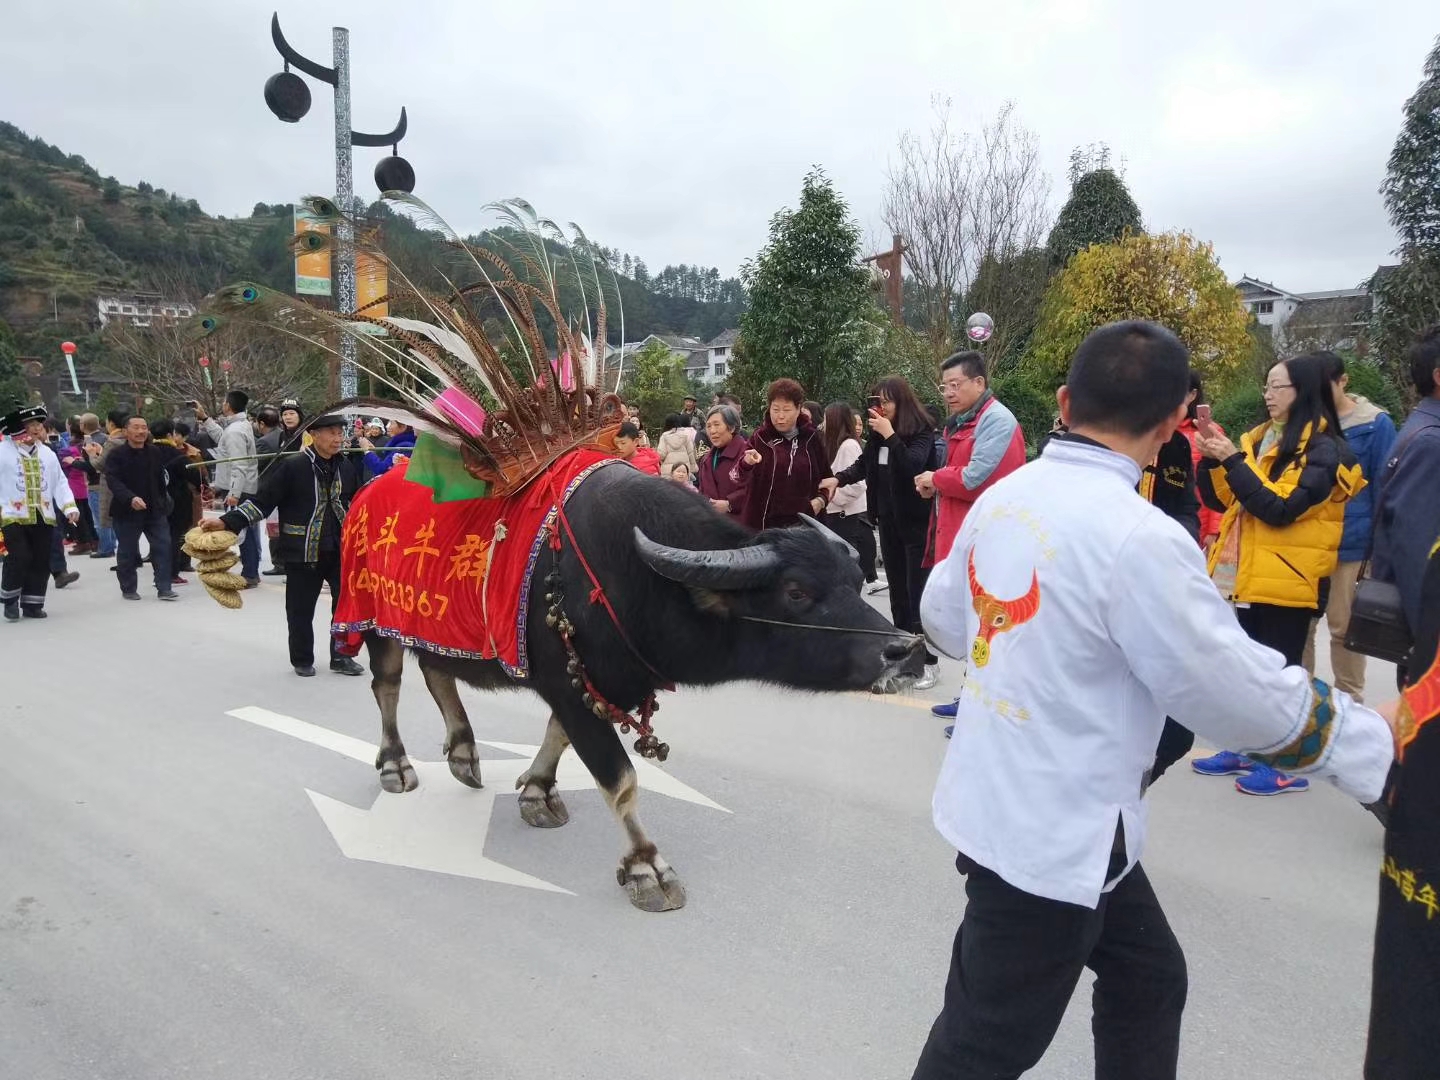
(141, 309)
(1329, 319)
(708, 362)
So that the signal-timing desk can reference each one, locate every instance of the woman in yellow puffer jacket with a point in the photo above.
(1283, 493)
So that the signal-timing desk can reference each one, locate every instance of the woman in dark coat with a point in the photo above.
(719, 463)
(785, 463)
(901, 445)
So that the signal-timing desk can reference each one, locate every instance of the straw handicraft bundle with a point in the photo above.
(212, 550)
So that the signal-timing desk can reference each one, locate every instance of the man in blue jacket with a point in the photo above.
(1371, 435)
(1408, 519)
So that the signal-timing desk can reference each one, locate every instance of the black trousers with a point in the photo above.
(861, 534)
(1016, 962)
(27, 565)
(156, 528)
(302, 590)
(1284, 629)
(903, 548)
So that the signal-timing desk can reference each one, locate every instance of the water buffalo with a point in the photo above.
(701, 600)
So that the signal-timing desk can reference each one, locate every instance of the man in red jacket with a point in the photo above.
(983, 443)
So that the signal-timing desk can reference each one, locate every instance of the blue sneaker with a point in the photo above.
(1222, 764)
(946, 711)
(1264, 780)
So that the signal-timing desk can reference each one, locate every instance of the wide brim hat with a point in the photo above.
(15, 421)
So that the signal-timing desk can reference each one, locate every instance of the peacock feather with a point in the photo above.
(495, 331)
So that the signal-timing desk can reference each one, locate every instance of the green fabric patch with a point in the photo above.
(439, 467)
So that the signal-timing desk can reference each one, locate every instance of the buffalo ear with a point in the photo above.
(709, 601)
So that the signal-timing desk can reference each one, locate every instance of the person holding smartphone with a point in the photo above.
(1283, 491)
(900, 446)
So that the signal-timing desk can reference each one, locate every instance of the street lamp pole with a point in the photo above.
(345, 199)
(289, 99)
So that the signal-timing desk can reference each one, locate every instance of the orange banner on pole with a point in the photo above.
(372, 281)
(312, 269)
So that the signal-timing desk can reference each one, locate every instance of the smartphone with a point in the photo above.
(1203, 424)
(873, 402)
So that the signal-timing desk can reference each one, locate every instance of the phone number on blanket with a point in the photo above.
(399, 594)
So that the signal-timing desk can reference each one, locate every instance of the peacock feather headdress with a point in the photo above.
(470, 330)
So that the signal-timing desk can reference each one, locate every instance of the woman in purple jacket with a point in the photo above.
(719, 466)
(785, 464)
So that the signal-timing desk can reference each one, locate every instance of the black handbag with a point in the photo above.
(1377, 621)
(1378, 626)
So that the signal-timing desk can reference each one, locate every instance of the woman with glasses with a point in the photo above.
(1283, 493)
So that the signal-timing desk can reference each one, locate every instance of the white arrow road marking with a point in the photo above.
(442, 825)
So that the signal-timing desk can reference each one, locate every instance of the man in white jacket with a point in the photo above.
(32, 485)
(237, 472)
(1087, 615)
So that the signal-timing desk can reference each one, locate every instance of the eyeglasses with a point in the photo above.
(955, 384)
(1276, 387)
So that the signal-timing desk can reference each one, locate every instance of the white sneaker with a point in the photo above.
(929, 679)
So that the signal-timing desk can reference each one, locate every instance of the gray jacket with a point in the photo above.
(236, 440)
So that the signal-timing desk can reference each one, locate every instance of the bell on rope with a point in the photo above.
(577, 684)
(663, 751)
(589, 699)
(550, 620)
(600, 710)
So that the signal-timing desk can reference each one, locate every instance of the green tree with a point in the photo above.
(809, 298)
(655, 384)
(1407, 297)
(111, 190)
(14, 390)
(1171, 279)
(1099, 210)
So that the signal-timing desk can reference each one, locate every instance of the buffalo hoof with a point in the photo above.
(651, 886)
(465, 766)
(543, 810)
(398, 776)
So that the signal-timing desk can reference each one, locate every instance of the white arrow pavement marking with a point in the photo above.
(442, 825)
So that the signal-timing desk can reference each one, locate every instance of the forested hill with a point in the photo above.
(67, 233)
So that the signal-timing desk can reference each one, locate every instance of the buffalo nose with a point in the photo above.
(900, 648)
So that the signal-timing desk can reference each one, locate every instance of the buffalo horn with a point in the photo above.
(833, 537)
(734, 568)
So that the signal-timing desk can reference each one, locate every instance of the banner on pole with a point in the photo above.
(312, 269)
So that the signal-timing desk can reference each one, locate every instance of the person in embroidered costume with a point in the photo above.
(1084, 630)
(1405, 981)
(32, 485)
(312, 491)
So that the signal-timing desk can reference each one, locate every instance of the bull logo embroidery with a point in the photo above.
(996, 615)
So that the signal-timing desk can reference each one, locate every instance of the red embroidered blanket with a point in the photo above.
(451, 578)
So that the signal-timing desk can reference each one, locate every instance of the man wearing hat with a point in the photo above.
(312, 491)
(32, 484)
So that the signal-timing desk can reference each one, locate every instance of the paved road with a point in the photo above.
(172, 904)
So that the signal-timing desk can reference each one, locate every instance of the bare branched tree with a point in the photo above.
(971, 208)
(164, 359)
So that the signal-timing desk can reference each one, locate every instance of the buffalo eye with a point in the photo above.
(796, 595)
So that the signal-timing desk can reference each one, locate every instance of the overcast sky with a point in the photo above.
(674, 130)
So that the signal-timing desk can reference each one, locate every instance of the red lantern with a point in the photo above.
(68, 348)
(225, 364)
(204, 361)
